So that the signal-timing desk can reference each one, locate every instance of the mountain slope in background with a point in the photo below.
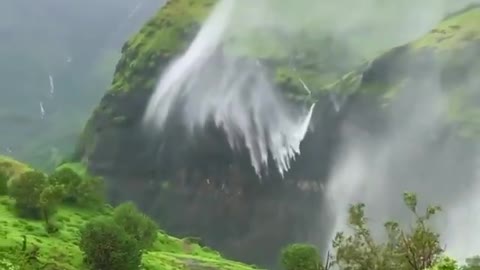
(56, 60)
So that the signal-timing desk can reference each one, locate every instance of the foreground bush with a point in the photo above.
(26, 190)
(91, 192)
(136, 224)
(50, 198)
(107, 246)
(301, 257)
(70, 181)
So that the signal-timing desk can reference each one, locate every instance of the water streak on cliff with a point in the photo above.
(207, 85)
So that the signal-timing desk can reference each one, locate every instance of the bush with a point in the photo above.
(107, 246)
(26, 190)
(301, 257)
(417, 247)
(3, 183)
(136, 224)
(91, 192)
(70, 180)
(50, 198)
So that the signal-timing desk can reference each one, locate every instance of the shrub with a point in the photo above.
(136, 224)
(3, 183)
(26, 190)
(70, 180)
(107, 246)
(301, 257)
(446, 263)
(417, 247)
(50, 198)
(91, 191)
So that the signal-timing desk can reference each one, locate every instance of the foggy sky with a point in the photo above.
(78, 44)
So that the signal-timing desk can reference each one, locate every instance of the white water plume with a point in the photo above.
(207, 85)
(414, 156)
(52, 85)
(42, 110)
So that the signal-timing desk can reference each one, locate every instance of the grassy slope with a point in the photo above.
(162, 37)
(454, 32)
(61, 250)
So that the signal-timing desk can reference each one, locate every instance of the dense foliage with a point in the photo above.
(124, 238)
(91, 191)
(70, 181)
(26, 190)
(107, 246)
(37, 195)
(136, 224)
(301, 257)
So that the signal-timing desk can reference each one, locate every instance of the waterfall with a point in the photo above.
(412, 154)
(205, 84)
(52, 86)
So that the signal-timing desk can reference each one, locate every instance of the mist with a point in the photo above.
(57, 60)
(230, 95)
(419, 152)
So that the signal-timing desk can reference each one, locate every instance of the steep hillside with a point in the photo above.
(190, 185)
(25, 240)
(61, 251)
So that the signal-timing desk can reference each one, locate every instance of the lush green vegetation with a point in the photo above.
(60, 222)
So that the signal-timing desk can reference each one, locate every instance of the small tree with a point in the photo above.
(416, 249)
(301, 257)
(70, 180)
(107, 246)
(26, 190)
(136, 224)
(50, 198)
(91, 191)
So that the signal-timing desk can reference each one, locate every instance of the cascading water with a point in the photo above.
(206, 84)
(52, 85)
(462, 223)
(413, 154)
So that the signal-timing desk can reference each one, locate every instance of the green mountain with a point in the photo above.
(247, 223)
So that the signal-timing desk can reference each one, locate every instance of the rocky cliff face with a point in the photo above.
(202, 188)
